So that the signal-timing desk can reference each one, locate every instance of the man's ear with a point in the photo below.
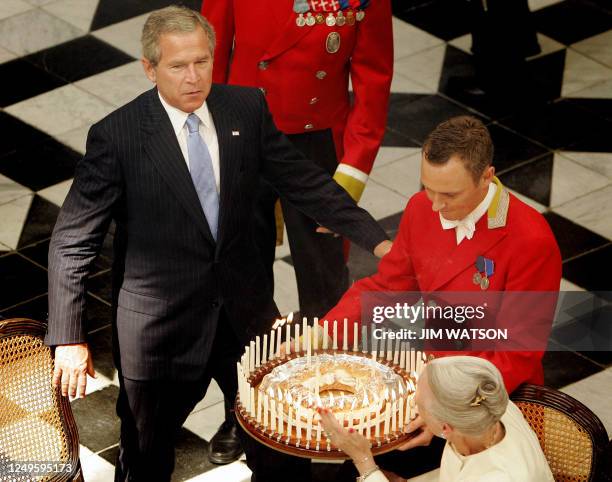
(149, 70)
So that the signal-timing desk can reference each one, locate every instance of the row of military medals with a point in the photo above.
(484, 268)
(331, 20)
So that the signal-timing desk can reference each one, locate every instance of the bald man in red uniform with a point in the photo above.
(465, 214)
(302, 54)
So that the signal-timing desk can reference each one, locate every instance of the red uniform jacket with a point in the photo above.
(426, 258)
(306, 86)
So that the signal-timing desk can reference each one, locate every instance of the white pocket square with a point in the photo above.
(235, 133)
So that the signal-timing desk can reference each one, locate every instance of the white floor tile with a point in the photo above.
(538, 4)
(234, 472)
(424, 67)
(213, 396)
(76, 138)
(9, 8)
(402, 176)
(403, 85)
(569, 286)
(79, 13)
(581, 72)
(408, 39)
(6, 55)
(44, 30)
(61, 110)
(464, 42)
(381, 202)
(13, 215)
(10, 190)
(56, 193)
(597, 47)
(600, 162)
(591, 211)
(387, 155)
(603, 90)
(118, 86)
(124, 35)
(594, 392)
(285, 287)
(39, 3)
(95, 468)
(205, 423)
(571, 180)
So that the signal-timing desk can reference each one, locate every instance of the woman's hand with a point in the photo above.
(421, 439)
(353, 444)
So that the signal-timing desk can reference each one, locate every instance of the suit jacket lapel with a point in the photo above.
(162, 147)
(228, 127)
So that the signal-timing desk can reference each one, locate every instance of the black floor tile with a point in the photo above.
(114, 11)
(597, 140)
(591, 270)
(393, 138)
(101, 285)
(563, 367)
(28, 81)
(587, 20)
(446, 19)
(533, 179)
(511, 149)
(415, 116)
(555, 125)
(17, 134)
(191, 456)
(36, 309)
(572, 238)
(39, 222)
(39, 253)
(38, 166)
(96, 418)
(21, 280)
(79, 58)
(601, 107)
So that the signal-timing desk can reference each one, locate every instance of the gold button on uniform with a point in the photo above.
(263, 65)
(321, 74)
(314, 100)
(308, 127)
(264, 92)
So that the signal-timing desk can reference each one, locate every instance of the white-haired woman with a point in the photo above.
(461, 399)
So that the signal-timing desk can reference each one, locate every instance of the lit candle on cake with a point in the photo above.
(297, 338)
(315, 334)
(288, 340)
(252, 402)
(272, 343)
(279, 341)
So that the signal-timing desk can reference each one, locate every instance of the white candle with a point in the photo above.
(397, 352)
(355, 336)
(273, 415)
(288, 340)
(259, 406)
(400, 413)
(377, 427)
(265, 411)
(387, 419)
(257, 351)
(304, 328)
(247, 359)
(281, 413)
(264, 357)
(325, 333)
(308, 343)
(289, 421)
(364, 339)
(309, 428)
(389, 349)
(279, 341)
(345, 335)
(403, 358)
(272, 344)
(297, 337)
(408, 414)
(252, 402)
(374, 346)
(315, 334)
(335, 345)
(394, 417)
(317, 379)
(252, 356)
(319, 428)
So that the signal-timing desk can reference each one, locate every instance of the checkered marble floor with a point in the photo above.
(67, 63)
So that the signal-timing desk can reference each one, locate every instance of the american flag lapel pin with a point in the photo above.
(235, 133)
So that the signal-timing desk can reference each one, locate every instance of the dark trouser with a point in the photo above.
(318, 259)
(152, 412)
(409, 463)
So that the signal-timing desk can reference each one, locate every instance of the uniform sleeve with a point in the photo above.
(395, 273)
(220, 13)
(371, 74)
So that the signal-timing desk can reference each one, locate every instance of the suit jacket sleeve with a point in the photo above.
(77, 237)
(395, 273)
(220, 13)
(310, 189)
(371, 70)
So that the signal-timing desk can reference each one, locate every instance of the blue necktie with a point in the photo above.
(201, 169)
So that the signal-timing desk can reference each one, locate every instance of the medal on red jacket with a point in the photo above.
(310, 20)
(330, 20)
(320, 19)
(300, 21)
(332, 43)
(340, 19)
(301, 6)
(484, 268)
(350, 17)
(360, 15)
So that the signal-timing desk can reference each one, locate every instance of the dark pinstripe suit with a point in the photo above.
(171, 280)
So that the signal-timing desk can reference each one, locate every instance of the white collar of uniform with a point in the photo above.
(465, 227)
(178, 117)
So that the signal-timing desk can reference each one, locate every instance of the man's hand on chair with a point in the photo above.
(72, 365)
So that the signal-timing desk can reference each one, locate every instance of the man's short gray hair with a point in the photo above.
(172, 19)
(467, 392)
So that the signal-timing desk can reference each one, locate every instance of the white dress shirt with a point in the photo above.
(178, 118)
(465, 227)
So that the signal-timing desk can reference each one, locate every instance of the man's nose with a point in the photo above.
(436, 203)
(192, 73)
